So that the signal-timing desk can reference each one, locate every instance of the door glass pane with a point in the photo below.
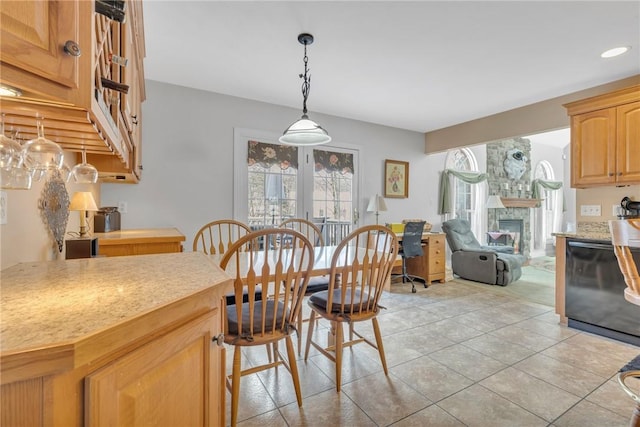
(272, 184)
(333, 185)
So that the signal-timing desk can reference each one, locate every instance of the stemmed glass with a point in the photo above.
(13, 174)
(10, 150)
(84, 173)
(42, 155)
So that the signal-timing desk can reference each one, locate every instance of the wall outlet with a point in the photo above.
(122, 207)
(590, 210)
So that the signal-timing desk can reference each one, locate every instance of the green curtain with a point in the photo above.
(536, 191)
(444, 206)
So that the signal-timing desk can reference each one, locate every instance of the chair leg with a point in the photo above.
(235, 384)
(293, 367)
(376, 331)
(338, 346)
(635, 417)
(312, 322)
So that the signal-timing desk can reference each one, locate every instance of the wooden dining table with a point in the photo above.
(322, 255)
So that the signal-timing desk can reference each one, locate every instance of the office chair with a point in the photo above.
(411, 246)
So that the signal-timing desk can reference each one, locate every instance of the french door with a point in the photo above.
(274, 182)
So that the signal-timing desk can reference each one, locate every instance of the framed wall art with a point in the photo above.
(396, 179)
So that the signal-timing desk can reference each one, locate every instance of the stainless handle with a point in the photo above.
(72, 48)
(218, 339)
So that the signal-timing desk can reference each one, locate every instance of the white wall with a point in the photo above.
(188, 159)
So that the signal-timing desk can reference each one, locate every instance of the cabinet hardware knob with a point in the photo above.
(218, 339)
(71, 48)
(619, 173)
(610, 173)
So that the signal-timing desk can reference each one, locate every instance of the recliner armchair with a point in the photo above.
(495, 265)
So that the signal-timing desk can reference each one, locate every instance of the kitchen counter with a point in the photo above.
(65, 307)
(588, 235)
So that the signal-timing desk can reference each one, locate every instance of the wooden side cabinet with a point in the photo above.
(605, 139)
(140, 241)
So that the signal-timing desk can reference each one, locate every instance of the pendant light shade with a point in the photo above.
(305, 131)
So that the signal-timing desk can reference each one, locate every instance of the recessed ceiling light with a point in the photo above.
(9, 91)
(614, 52)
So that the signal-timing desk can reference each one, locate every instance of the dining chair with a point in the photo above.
(316, 283)
(217, 237)
(625, 234)
(269, 321)
(360, 268)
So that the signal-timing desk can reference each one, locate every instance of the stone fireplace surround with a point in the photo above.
(520, 188)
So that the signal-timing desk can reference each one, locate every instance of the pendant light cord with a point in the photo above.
(306, 85)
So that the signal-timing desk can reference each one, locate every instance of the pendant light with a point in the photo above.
(305, 131)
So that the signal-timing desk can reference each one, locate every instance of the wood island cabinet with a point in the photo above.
(127, 341)
(605, 139)
(66, 59)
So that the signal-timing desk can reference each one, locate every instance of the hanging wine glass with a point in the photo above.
(84, 173)
(10, 150)
(42, 155)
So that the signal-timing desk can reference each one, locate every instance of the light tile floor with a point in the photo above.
(459, 354)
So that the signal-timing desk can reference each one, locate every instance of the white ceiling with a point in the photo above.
(420, 65)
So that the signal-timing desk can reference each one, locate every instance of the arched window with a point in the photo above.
(464, 195)
(545, 215)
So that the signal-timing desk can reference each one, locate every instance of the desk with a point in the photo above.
(430, 266)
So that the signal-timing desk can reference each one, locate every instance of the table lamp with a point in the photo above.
(83, 201)
(377, 205)
(494, 202)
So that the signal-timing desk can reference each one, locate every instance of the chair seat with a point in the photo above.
(321, 299)
(317, 284)
(270, 321)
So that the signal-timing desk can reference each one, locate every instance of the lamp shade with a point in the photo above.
(83, 201)
(495, 202)
(376, 204)
(305, 132)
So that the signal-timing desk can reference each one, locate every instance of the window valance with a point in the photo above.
(444, 206)
(536, 191)
(268, 155)
(333, 161)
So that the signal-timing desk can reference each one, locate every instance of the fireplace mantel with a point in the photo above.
(519, 203)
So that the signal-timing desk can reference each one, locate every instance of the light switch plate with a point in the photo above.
(3, 207)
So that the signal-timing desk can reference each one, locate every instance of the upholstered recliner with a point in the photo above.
(495, 265)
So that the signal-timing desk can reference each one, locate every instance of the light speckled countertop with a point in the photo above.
(47, 303)
(586, 235)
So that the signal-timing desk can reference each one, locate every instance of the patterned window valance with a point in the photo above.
(333, 162)
(267, 155)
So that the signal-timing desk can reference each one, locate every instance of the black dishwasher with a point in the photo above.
(594, 300)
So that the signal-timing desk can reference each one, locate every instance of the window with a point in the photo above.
(544, 216)
(465, 196)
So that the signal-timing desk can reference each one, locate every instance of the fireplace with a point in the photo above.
(515, 226)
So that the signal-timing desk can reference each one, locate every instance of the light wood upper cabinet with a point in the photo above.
(605, 139)
(80, 109)
(33, 34)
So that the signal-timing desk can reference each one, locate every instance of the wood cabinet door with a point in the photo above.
(33, 36)
(167, 382)
(593, 148)
(628, 147)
